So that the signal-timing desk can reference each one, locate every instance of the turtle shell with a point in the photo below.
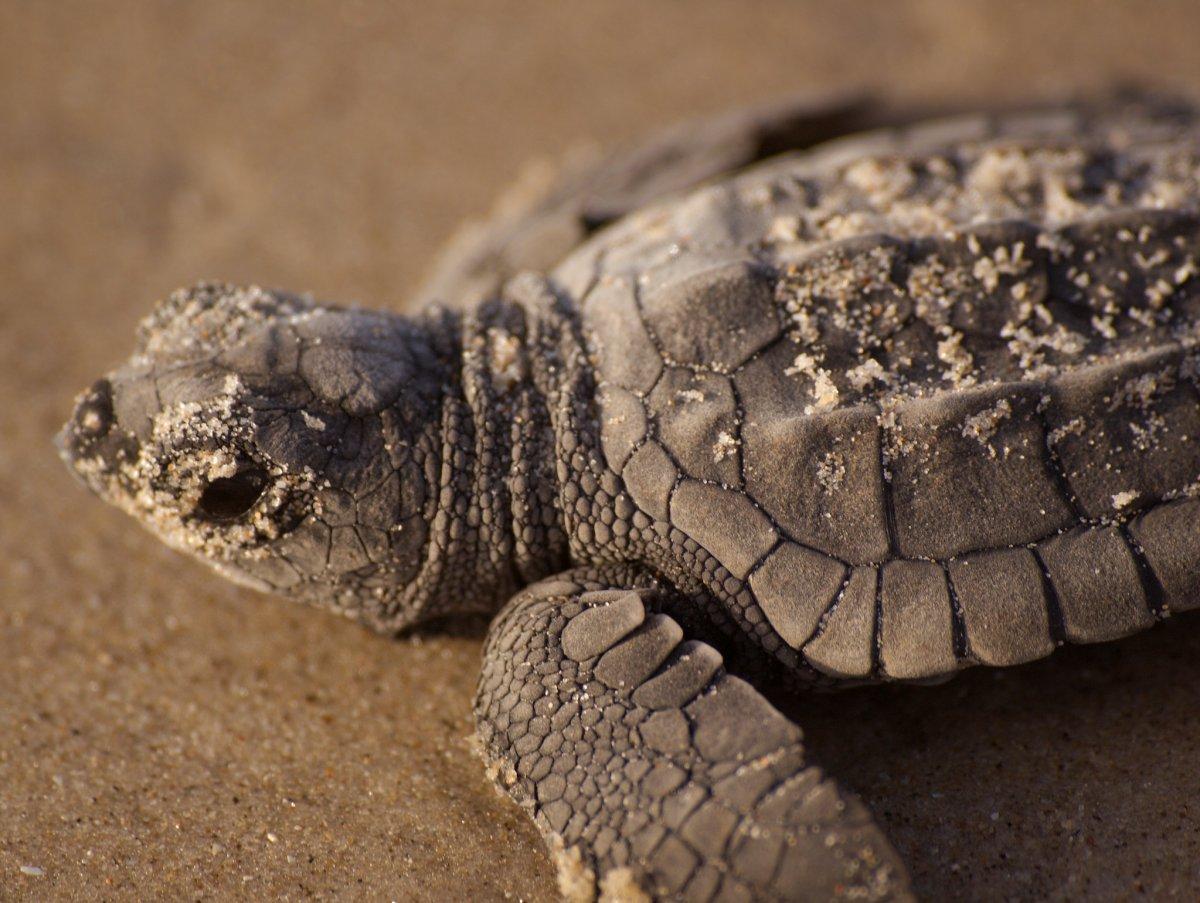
(930, 394)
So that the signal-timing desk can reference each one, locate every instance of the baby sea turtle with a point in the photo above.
(880, 409)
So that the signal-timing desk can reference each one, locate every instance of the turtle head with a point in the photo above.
(290, 445)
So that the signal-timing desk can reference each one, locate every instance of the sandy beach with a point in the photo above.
(166, 735)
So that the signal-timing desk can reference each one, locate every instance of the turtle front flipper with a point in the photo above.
(550, 211)
(651, 770)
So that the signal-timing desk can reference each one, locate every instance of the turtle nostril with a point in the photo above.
(94, 415)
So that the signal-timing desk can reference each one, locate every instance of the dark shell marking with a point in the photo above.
(928, 398)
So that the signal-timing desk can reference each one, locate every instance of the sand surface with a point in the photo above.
(166, 735)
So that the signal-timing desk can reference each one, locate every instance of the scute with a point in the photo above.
(697, 422)
(844, 645)
(725, 522)
(981, 292)
(843, 300)
(916, 630)
(821, 479)
(1169, 536)
(1005, 609)
(622, 347)
(622, 423)
(1132, 266)
(650, 475)
(710, 315)
(794, 587)
(972, 473)
(1127, 433)
(957, 364)
(1097, 584)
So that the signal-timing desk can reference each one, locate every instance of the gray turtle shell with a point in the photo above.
(930, 394)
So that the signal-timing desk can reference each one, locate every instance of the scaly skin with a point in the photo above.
(879, 412)
(242, 432)
(638, 749)
(398, 468)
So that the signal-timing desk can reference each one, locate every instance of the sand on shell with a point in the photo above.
(164, 734)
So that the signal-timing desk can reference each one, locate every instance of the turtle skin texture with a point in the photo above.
(882, 409)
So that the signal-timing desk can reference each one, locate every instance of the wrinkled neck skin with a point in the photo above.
(394, 469)
(495, 521)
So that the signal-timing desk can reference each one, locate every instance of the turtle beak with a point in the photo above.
(90, 443)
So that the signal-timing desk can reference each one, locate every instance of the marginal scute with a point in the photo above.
(621, 344)
(971, 473)
(622, 424)
(1097, 583)
(843, 647)
(725, 522)
(650, 476)
(916, 628)
(710, 316)
(1169, 535)
(1004, 606)
(794, 587)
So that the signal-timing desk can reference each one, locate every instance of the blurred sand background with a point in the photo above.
(166, 735)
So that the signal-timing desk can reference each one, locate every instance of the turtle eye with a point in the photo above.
(227, 498)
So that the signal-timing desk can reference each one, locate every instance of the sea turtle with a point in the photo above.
(876, 410)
